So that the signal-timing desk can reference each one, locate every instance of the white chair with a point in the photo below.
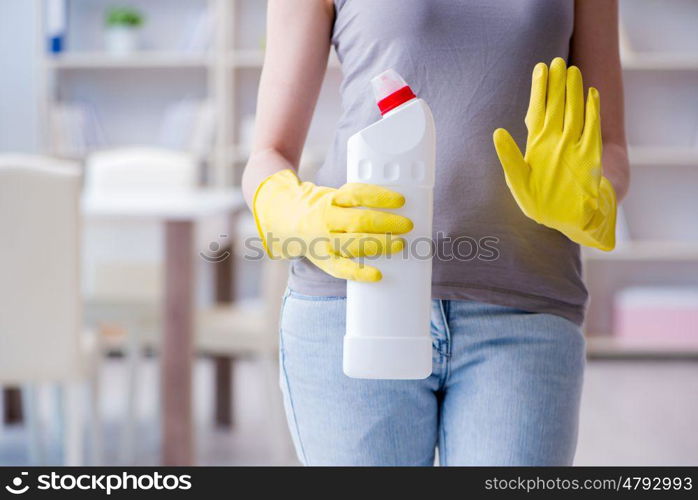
(247, 326)
(123, 282)
(250, 329)
(122, 261)
(123, 273)
(126, 170)
(42, 340)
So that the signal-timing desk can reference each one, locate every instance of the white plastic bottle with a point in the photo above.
(387, 334)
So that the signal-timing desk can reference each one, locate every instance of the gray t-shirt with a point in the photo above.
(471, 61)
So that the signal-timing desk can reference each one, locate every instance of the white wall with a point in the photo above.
(19, 115)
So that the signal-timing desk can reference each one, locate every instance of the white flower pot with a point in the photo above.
(121, 40)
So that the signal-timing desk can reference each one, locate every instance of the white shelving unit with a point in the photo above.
(658, 156)
(151, 59)
(648, 251)
(131, 94)
(608, 347)
(659, 51)
(660, 62)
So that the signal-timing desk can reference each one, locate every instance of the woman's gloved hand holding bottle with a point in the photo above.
(327, 225)
(559, 181)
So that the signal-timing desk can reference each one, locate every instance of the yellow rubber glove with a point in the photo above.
(297, 219)
(559, 182)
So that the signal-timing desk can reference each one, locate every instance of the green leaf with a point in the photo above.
(124, 16)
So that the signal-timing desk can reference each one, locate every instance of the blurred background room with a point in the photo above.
(138, 321)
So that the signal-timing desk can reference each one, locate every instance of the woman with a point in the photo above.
(508, 352)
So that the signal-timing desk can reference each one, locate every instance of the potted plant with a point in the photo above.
(122, 30)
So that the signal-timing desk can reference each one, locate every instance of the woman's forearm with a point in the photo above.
(616, 168)
(298, 44)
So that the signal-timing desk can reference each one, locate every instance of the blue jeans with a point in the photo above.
(505, 390)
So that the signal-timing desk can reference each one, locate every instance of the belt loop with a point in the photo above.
(444, 306)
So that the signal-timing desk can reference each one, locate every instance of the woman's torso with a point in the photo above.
(471, 61)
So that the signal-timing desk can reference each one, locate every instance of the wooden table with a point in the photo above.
(179, 213)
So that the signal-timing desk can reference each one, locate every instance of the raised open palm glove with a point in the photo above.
(326, 225)
(559, 181)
